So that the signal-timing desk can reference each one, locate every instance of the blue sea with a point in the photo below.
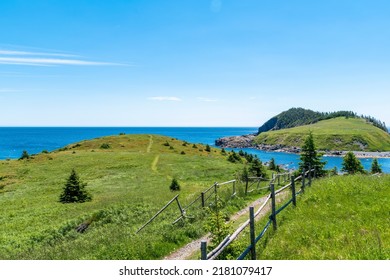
(13, 140)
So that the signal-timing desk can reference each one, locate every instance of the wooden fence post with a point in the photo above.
(252, 232)
(203, 202)
(309, 175)
(203, 250)
(294, 196)
(278, 179)
(273, 199)
(303, 180)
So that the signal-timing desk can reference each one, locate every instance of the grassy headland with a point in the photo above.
(128, 177)
(340, 134)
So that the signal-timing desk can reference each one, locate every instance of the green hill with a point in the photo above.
(298, 116)
(333, 134)
(129, 179)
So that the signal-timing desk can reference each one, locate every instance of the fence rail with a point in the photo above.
(272, 218)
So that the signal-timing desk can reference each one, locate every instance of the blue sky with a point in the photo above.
(190, 63)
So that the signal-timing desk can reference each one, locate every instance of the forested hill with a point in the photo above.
(298, 116)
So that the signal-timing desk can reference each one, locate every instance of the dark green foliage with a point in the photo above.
(24, 155)
(183, 153)
(234, 157)
(375, 167)
(105, 146)
(166, 144)
(223, 152)
(208, 149)
(310, 158)
(74, 190)
(245, 174)
(299, 116)
(185, 143)
(175, 186)
(256, 168)
(45, 152)
(272, 165)
(351, 164)
(122, 133)
(194, 146)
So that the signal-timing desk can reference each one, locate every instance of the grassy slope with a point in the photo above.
(334, 134)
(344, 218)
(129, 183)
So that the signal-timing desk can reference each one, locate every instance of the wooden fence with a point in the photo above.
(202, 198)
(252, 215)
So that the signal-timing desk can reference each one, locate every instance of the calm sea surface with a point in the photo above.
(13, 140)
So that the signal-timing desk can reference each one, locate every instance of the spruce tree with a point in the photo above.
(351, 164)
(74, 190)
(175, 186)
(272, 165)
(375, 167)
(310, 158)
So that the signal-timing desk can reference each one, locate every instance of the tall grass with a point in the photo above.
(338, 218)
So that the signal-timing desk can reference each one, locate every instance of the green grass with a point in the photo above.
(338, 218)
(128, 177)
(335, 134)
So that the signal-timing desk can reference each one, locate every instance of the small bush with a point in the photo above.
(194, 146)
(45, 152)
(175, 186)
(105, 146)
(24, 155)
(166, 144)
(183, 153)
(208, 149)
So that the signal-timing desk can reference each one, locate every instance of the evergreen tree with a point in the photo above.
(351, 164)
(257, 169)
(272, 165)
(175, 186)
(24, 155)
(375, 167)
(310, 158)
(74, 190)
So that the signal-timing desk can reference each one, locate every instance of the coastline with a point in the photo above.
(246, 141)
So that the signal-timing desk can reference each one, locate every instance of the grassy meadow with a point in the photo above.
(337, 218)
(128, 177)
(335, 134)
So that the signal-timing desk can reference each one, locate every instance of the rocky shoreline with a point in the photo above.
(246, 141)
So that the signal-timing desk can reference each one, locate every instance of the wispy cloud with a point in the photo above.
(12, 52)
(164, 98)
(12, 57)
(8, 90)
(206, 99)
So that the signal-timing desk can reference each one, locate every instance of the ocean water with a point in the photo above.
(13, 140)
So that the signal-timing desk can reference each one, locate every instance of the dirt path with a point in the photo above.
(191, 248)
(150, 144)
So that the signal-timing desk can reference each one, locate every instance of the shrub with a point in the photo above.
(351, 164)
(175, 186)
(105, 146)
(24, 155)
(166, 144)
(208, 149)
(183, 153)
(74, 190)
(375, 167)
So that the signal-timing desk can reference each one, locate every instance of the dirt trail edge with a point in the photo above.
(190, 249)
